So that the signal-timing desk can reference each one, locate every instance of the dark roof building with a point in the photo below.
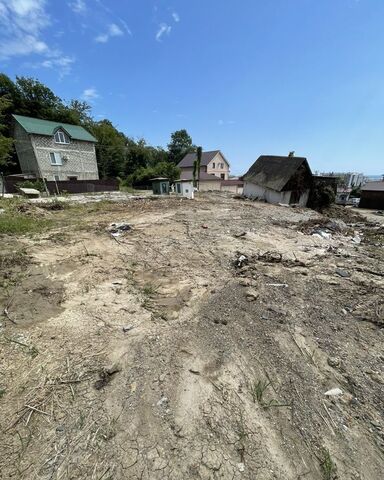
(275, 172)
(372, 195)
(279, 179)
(206, 157)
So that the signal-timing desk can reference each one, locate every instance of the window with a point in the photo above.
(213, 165)
(56, 158)
(73, 178)
(222, 176)
(61, 137)
(221, 165)
(178, 188)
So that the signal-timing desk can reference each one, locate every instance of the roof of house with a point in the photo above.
(229, 182)
(373, 187)
(46, 127)
(203, 177)
(206, 157)
(274, 172)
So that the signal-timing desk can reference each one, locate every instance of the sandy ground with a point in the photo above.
(163, 353)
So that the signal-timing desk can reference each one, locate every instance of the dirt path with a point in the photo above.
(163, 354)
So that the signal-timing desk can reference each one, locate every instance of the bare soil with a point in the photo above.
(197, 345)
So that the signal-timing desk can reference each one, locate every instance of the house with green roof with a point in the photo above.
(54, 150)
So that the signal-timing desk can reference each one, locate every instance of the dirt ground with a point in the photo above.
(199, 344)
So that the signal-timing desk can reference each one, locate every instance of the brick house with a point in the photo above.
(53, 150)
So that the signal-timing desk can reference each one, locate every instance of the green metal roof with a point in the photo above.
(46, 127)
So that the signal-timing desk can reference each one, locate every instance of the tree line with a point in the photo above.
(118, 155)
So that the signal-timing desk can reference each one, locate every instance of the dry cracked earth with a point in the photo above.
(198, 344)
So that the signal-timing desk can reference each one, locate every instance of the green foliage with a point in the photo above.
(18, 224)
(328, 467)
(355, 192)
(37, 184)
(322, 196)
(181, 143)
(117, 155)
(143, 175)
(6, 148)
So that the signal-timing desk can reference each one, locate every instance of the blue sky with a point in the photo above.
(249, 77)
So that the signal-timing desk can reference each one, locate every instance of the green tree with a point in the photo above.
(180, 145)
(199, 153)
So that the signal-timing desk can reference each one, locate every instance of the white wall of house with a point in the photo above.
(237, 189)
(206, 185)
(252, 190)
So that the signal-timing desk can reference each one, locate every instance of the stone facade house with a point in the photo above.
(54, 151)
(278, 179)
(212, 163)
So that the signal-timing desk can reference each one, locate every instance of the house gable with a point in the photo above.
(274, 172)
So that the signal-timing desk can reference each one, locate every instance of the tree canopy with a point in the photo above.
(118, 155)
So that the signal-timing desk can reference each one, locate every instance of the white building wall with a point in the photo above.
(252, 190)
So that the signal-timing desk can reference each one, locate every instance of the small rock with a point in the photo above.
(245, 282)
(252, 295)
(241, 467)
(334, 392)
(204, 226)
(127, 328)
(162, 401)
(342, 273)
(333, 361)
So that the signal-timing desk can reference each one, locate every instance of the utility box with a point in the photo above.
(160, 186)
(184, 188)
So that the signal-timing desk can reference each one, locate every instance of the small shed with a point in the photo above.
(185, 188)
(372, 195)
(160, 186)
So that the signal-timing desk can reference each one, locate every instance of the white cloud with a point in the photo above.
(90, 94)
(164, 29)
(22, 23)
(113, 31)
(78, 6)
(176, 17)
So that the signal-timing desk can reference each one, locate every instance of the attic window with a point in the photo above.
(61, 137)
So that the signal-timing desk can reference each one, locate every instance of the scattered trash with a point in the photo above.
(285, 205)
(337, 225)
(241, 467)
(342, 273)
(334, 392)
(117, 229)
(321, 234)
(356, 239)
(242, 259)
(162, 401)
(379, 212)
(127, 328)
(285, 285)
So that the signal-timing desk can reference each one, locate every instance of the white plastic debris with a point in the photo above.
(241, 467)
(334, 392)
(241, 260)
